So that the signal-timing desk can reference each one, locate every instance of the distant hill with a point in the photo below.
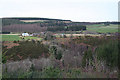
(33, 18)
(17, 20)
(31, 24)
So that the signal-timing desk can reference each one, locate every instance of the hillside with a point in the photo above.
(34, 24)
(19, 24)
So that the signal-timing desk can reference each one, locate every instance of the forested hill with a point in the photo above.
(33, 18)
(24, 24)
(39, 24)
(20, 20)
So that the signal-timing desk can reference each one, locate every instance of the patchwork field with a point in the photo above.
(30, 37)
(77, 35)
(103, 29)
(10, 38)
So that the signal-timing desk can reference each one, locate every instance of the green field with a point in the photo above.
(10, 38)
(30, 37)
(103, 29)
(16, 38)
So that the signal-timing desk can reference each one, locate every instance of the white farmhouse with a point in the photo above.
(25, 34)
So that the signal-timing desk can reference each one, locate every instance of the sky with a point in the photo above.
(75, 10)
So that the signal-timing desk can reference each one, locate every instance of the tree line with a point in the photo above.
(67, 28)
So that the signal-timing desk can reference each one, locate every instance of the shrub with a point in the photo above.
(4, 51)
(58, 55)
(64, 36)
(108, 53)
(51, 72)
(87, 58)
(14, 41)
(28, 49)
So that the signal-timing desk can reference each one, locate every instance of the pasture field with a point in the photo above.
(16, 37)
(77, 35)
(10, 38)
(103, 29)
(30, 37)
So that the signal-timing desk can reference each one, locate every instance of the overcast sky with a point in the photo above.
(75, 10)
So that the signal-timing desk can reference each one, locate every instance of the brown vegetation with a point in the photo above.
(9, 44)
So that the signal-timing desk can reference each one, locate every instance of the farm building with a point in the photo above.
(61, 35)
(30, 34)
(35, 34)
(25, 34)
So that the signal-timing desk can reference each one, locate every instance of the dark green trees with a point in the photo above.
(56, 53)
(28, 49)
(108, 53)
(68, 28)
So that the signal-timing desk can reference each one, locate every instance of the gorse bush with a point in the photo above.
(76, 55)
(73, 73)
(4, 51)
(104, 48)
(53, 50)
(51, 72)
(28, 49)
(108, 53)
(88, 57)
(94, 41)
(48, 72)
(58, 55)
(14, 41)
